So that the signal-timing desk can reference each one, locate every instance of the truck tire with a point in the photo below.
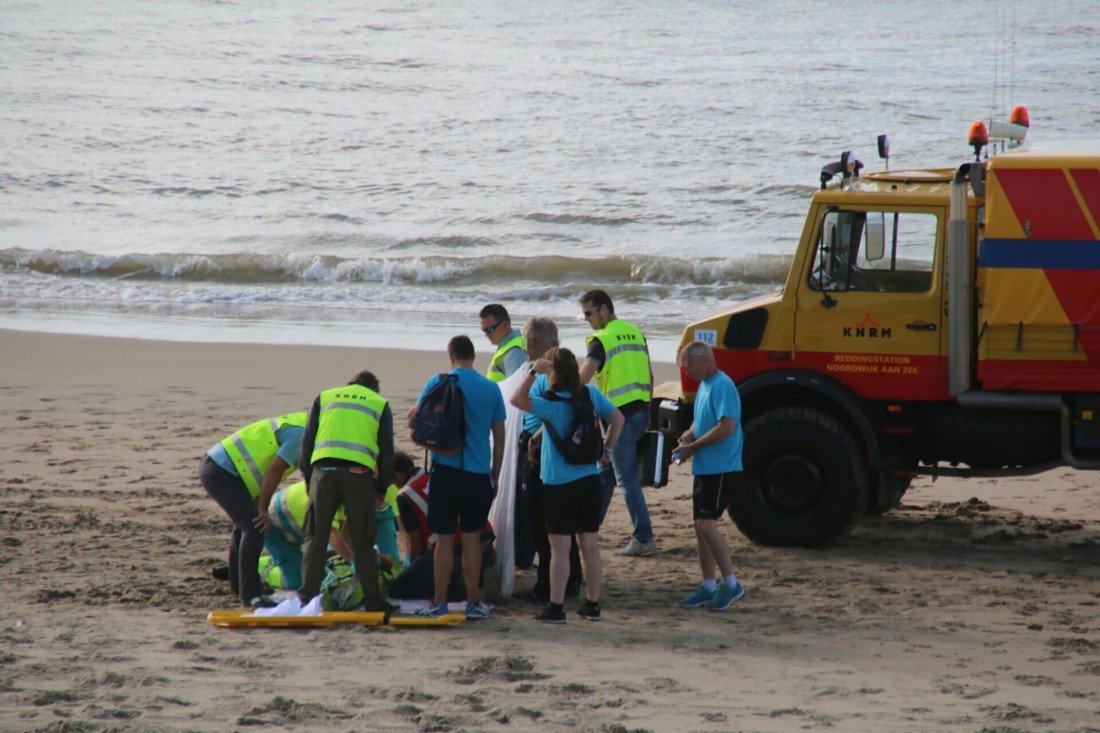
(890, 490)
(804, 479)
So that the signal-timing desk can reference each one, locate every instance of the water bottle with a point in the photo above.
(677, 457)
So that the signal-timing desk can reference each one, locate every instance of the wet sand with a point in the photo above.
(974, 606)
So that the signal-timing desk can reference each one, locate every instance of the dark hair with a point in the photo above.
(461, 348)
(597, 298)
(566, 377)
(403, 462)
(366, 379)
(496, 311)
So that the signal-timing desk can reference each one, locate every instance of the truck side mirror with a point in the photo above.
(875, 231)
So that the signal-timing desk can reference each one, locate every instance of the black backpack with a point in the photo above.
(440, 421)
(584, 443)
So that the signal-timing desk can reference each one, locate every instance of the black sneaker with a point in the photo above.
(552, 614)
(220, 572)
(589, 610)
(262, 602)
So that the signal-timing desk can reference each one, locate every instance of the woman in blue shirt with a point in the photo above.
(573, 490)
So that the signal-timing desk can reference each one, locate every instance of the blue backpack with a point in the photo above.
(583, 443)
(440, 421)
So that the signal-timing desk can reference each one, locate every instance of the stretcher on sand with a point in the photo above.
(246, 619)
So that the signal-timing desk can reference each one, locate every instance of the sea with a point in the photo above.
(373, 173)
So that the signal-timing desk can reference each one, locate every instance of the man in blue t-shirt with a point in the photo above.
(714, 443)
(463, 484)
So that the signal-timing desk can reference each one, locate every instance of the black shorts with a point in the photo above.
(456, 496)
(573, 507)
(711, 494)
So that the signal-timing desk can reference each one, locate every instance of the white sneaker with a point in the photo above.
(638, 549)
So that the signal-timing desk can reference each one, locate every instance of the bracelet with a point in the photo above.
(608, 450)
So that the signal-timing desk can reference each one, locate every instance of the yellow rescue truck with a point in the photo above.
(940, 322)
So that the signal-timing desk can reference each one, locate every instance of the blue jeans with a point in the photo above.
(624, 472)
(286, 556)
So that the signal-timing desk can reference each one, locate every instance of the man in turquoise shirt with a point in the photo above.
(714, 443)
(463, 484)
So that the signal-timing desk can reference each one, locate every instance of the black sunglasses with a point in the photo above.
(588, 313)
(491, 328)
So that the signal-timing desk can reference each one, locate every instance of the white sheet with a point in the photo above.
(502, 513)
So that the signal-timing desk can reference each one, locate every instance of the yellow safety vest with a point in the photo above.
(253, 447)
(624, 377)
(496, 366)
(347, 427)
(288, 512)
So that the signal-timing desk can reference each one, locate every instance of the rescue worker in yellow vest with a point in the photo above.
(619, 358)
(510, 355)
(282, 566)
(511, 351)
(347, 458)
(237, 470)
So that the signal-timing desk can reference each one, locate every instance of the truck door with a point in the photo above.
(870, 304)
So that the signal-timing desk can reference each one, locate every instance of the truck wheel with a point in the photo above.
(804, 479)
(890, 490)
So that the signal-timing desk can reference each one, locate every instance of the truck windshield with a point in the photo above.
(875, 251)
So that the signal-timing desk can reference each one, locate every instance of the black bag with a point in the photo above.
(654, 458)
(440, 421)
(584, 443)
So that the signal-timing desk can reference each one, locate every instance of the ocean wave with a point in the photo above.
(246, 268)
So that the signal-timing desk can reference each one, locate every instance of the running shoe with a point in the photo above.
(551, 615)
(477, 611)
(725, 596)
(433, 610)
(638, 549)
(589, 610)
(700, 597)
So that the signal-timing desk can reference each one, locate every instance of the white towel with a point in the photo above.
(502, 513)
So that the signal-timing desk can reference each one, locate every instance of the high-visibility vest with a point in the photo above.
(288, 511)
(416, 493)
(253, 447)
(624, 377)
(496, 366)
(348, 424)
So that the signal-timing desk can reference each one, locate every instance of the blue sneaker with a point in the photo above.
(433, 610)
(700, 597)
(477, 611)
(725, 596)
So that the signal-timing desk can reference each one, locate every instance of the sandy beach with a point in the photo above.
(975, 606)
